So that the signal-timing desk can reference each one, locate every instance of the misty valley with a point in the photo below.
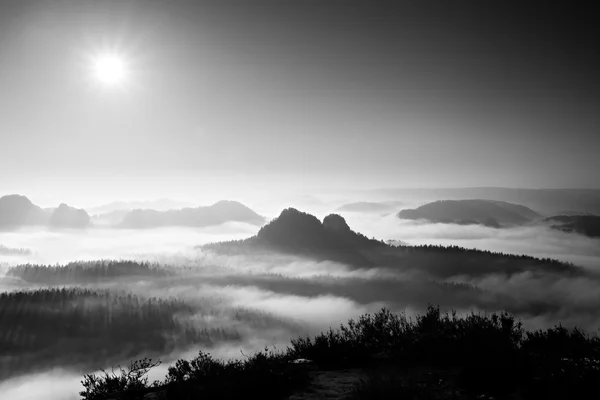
(80, 294)
(299, 200)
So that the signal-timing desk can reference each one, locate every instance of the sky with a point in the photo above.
(229, 96)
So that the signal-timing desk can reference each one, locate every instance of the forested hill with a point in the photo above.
(18, 211)
(77, 328)
(298, 233)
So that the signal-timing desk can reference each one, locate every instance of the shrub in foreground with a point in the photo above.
(132, 380)
(266, 374)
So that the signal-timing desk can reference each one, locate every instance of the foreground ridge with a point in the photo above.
(434, 356)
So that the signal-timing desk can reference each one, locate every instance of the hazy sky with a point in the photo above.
(256, 95)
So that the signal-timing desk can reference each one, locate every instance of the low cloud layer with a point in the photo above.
(535, 240)
(54, 246)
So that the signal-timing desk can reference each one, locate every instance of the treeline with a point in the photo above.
(477, 261)
(87, 271)
(4, 250)
(245, 246)
(88, 328)
(459, 249)
(439, 261)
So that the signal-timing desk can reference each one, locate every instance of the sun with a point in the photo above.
(110, 69)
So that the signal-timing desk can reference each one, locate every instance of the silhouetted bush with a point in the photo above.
(493, 352)
(266, 374)
(431, 339)
(131, 380)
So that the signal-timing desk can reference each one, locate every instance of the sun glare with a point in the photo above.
(110, 69)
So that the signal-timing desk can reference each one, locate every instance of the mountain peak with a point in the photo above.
(336, 223)
(294, 229)
(292, 226)
(292, 211)
(215, 214)
(227, 203)
(15, 199)
(66, 216)
(17, 210)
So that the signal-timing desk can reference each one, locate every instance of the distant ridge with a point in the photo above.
(547, 201)
(490, 213)
(122, 206)
(17, 211)
(218, 213)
